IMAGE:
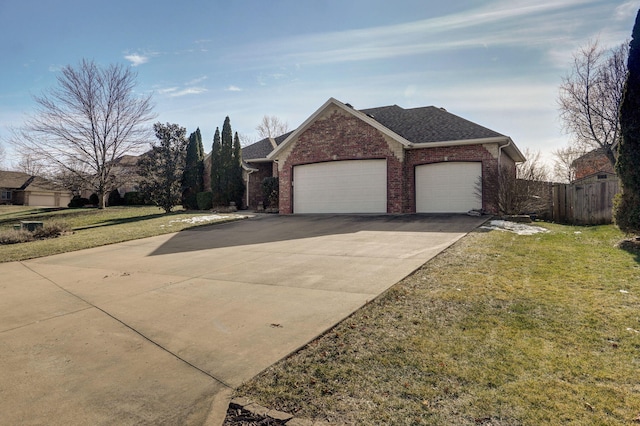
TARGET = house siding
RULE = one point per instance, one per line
(338, 136)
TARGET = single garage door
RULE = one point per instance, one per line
(351, 186)
(447, 187)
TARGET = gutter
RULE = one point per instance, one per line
(497, 139)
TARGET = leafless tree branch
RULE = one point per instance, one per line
(590, 95)
(271, 127)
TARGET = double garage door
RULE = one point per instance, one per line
(360, 186)
(352, 186)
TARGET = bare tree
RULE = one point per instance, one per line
(30, 164)
(533, 169)
(563, 168)
(271, 127)
(91, 118)
(590, 97)
(3, 154)
(246, 140)
(517, 190)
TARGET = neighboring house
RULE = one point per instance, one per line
(23, 189)
(125, 175)
(592, 163)
(125, 169)
(380, 160)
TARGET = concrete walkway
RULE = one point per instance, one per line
(161, 330)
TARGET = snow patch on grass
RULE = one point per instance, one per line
(518, 228)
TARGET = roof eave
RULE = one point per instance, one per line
(503, 141)
(259, 160)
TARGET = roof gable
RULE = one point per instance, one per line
(344, 107)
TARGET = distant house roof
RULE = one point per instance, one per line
(128, 160)
(428, 124)
(19, 181)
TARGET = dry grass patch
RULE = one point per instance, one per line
(93, 227)
(500, 329)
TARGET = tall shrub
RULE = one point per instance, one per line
(163, 168)
(192, 178)
(216, 166)
(627, 207)
(226, 167)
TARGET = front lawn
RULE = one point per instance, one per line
(94, 227)
(500, 329)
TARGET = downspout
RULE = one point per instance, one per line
(500, 148)
(247, 188)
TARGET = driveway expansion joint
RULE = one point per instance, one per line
(148, 339)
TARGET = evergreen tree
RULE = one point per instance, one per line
(238, 183)
(193, 170)
(226, 159)
(216, 167)
(226, 167)
(163, 167)
(200, 153)
(627, 208)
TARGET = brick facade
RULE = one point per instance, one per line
(337, 132)
(254, 186)
(337, 136)
(592, 163)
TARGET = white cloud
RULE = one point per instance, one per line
(197, 80)
(233, 88)
(627, 10)
(512, 23)
(166, 90)
(187, 91)
(137, 59)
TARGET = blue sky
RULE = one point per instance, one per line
(496, 62)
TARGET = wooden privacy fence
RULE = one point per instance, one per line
(584, 203)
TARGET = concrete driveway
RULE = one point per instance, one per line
(160, 330)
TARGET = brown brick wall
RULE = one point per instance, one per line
(255, 183)
(341, 136)
(592, 163)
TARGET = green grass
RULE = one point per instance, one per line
(500, 329)
(92, 227)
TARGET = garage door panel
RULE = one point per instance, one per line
(447, 187)
(352, 186)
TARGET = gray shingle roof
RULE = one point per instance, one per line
(262, 148)
(428, 124)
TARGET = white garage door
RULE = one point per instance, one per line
(447, 187)
(351, 186)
